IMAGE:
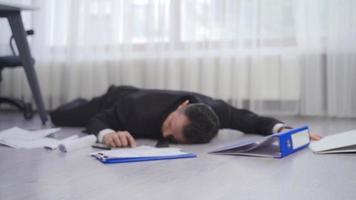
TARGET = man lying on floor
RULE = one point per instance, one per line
(125, 113)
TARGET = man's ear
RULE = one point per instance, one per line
(184, 104)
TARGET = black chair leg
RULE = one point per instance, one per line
(19, 33)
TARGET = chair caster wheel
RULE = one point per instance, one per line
(28, 111)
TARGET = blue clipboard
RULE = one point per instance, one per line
(141, 159)
(140, 154)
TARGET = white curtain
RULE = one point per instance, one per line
(327, 47)
(271, 56)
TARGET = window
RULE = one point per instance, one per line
(115, 22)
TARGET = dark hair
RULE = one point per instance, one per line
(204, 123)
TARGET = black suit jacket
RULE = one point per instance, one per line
(142, 112)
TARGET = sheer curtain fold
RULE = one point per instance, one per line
(341, 59)
(274, 57)
(327, 38)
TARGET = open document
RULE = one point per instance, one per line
(344, 142)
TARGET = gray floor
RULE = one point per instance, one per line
(322, 125)
(41, 174)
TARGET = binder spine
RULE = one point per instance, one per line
(286, 143)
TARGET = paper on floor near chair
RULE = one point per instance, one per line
(17, 133)
(139, 154)
(29, 144)
(20, 138)
(338, 143)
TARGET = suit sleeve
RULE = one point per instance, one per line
(113, 118)
(243, 120)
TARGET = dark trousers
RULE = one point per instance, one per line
(79, 111)
(76, 113)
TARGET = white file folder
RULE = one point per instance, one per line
(344, 142)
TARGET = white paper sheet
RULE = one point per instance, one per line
(17, 133)
(335, 143)
(29, 144)
(20, 138)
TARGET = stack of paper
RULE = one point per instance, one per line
(19, 138)
(339, 143)
(141, 153)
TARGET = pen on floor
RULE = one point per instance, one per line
(162, 142)
(101, 146)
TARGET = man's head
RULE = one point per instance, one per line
(192, 123)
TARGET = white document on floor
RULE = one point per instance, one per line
(20, 138)
(344, 142)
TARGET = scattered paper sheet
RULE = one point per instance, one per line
(29, 144)
(20, 138)
(22, 134)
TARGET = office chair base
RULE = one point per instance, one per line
(25, 108)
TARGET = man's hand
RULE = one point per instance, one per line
(119, 139)
(313, 136)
